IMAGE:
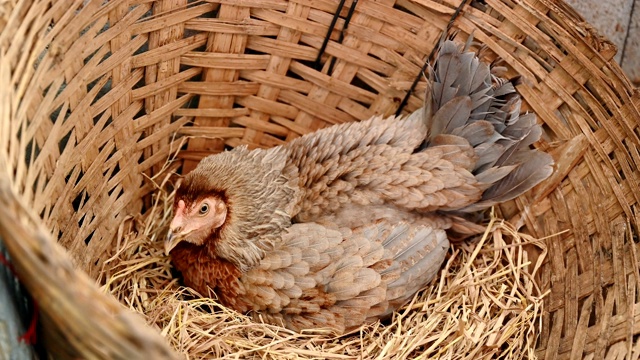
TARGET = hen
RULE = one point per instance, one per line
(344, 225)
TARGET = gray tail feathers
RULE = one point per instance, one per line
(468, 100)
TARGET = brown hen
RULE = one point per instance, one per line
(344, 225)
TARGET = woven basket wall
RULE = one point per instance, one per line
(95, 95)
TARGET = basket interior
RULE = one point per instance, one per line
(100, 94)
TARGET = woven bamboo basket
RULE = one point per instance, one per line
(95, 96)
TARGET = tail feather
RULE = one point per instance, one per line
(513, 153)
(476, 133)
(494, 174)
(520, 128)
(522, 178)
(466, 99)
(488, 155)
(454, 114)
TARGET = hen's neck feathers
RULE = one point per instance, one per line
(258, 196)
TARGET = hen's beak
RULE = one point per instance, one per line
(171, 241)
(175, 233)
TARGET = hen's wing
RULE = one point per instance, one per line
(329, 277)
(374, 162)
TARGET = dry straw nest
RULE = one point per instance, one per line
(102, 103)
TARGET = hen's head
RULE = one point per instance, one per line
(196, 219)
(235, 204)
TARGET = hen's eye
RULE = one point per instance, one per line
(204, 209)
